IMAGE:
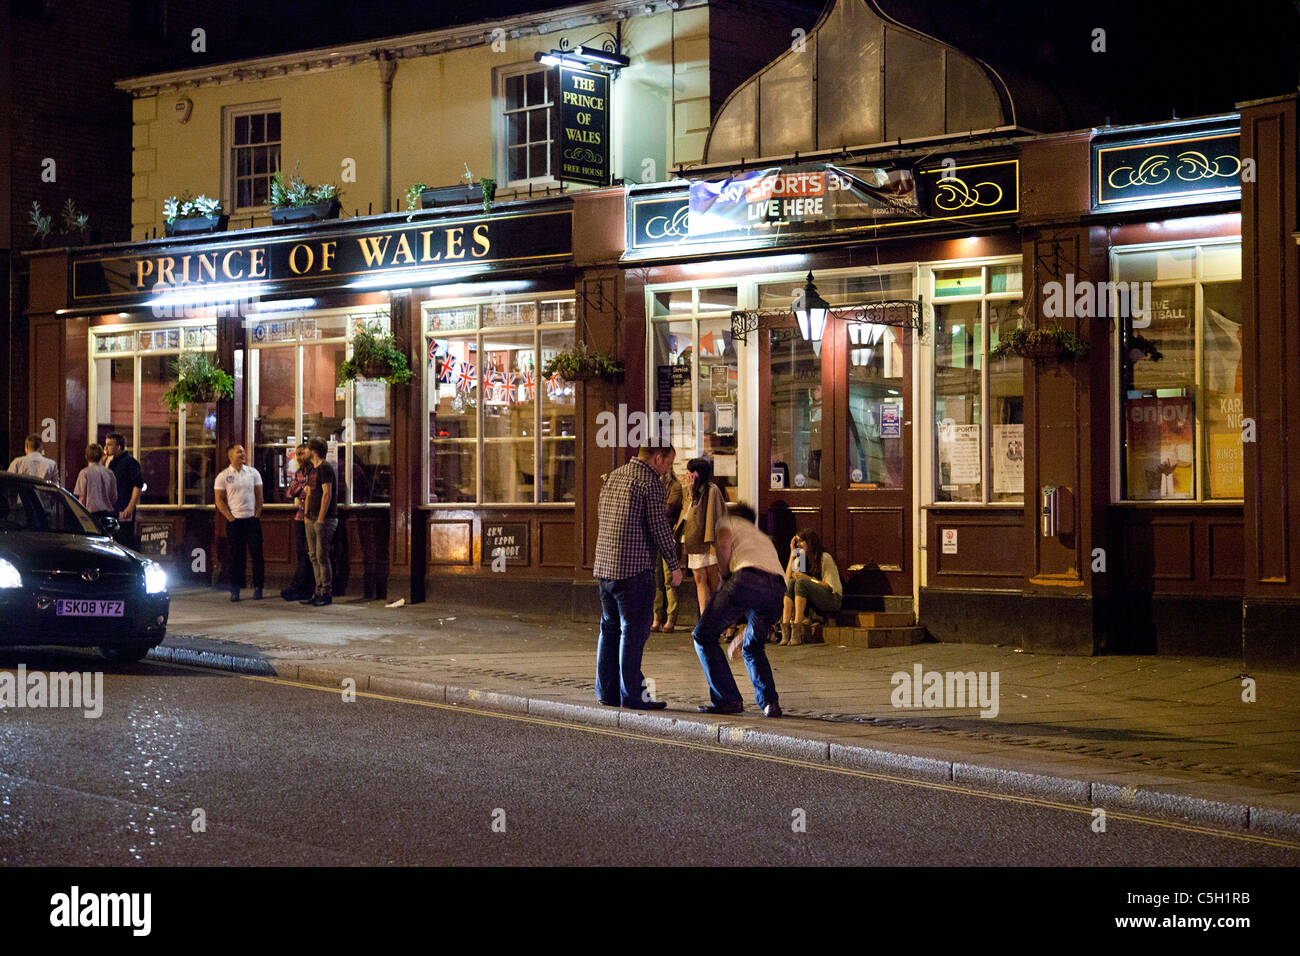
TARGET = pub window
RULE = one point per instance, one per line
(525, 131)
(979, 457)
(253, 138)
(1179, 364)
(695, 377)
(498, 431)
(294, 396)
(131, 369)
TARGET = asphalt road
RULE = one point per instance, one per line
(291, 775)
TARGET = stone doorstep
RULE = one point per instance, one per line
(875, 636)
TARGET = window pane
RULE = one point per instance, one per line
(244, 194)
(958, 330)
(875, 423)
(508, 471)
(157, 452)
(452, 401)
(241, 130)
(1006, 408)
(510, 313)
(114, 397)
(324, 404)
(200, 454)
(558, 427)
(514, 92)
(675, 304)
(273, 127)
(516, 128)
(517, 162)
(257, 128)
(954, 282)
(445, 320)
(243, 162)
(275, 434)
(536, 82)
(1224, 452)
(718, 300)
(718, 385)
(509, 409)
(259, 160)
(674, 359)
(371, 473)
(796, 411)
(557, 311)
(538, 163)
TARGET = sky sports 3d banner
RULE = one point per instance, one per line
(796, 195)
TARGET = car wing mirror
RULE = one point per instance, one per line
(109, 525)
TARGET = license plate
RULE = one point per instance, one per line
(68, 608)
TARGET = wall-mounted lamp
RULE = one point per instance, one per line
(810, 311)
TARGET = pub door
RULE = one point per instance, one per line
(835, 422)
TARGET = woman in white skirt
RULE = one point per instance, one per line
(708, 508)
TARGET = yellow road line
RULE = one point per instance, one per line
(794, 762)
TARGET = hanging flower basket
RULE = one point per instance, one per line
(1041, 345)
(582, 364)
(376, 357)
(199, 380)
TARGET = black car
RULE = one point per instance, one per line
(65, 581)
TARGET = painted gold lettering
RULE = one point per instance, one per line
(456, 243)
(166, 270)
(429, 255)
(372, 249)
(225, 265)
(208, 265)
(257, 263)
(481, 241)
(185, 268)
(327, 250)
(403, 249)
(293, 258)
(143, 267)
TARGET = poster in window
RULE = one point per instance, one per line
(1167, 323)
(891, 420)
(371, 399)
(1161, 448)
(1009, 459)
(959, 455)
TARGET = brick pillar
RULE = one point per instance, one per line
(1270, 299)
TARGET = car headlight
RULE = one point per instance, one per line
(9, 576)
(155, 578)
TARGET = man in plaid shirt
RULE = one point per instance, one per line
(634, 533)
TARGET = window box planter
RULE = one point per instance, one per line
(316, 212)
(195, 225)
(460, 195)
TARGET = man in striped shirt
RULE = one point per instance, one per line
(634, 533)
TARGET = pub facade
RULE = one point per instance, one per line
(827, 292)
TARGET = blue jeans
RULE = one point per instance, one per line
(747, 593)
(626, 610)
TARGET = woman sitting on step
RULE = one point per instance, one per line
(811, 578)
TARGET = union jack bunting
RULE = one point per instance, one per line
(530, 386)
(448, 375)
(465, 381)
(554, 386)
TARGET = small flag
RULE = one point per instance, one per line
(530, 386)
(466, 379)
(448, 375)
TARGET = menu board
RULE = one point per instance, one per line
(510, 539)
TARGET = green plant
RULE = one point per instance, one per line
(296, 191)
(187, 206)
(582, 363)
(375, 356)
(43, 225)
(73, 221)
(412, 198)
(1039, 344)
(489, 188)
(198, 380)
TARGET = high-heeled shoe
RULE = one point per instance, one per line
(671, 624)
(656, 626)
(785, 635)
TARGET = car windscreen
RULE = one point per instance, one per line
(25, 507)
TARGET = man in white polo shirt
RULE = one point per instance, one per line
(34, 463)
(754, 590)
(239, 499)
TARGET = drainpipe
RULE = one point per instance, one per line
(387, 67)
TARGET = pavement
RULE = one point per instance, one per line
(1166, 737)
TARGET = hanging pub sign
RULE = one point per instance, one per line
(791, 203)
(581, 150)
(322, 256)
(1182, 168)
